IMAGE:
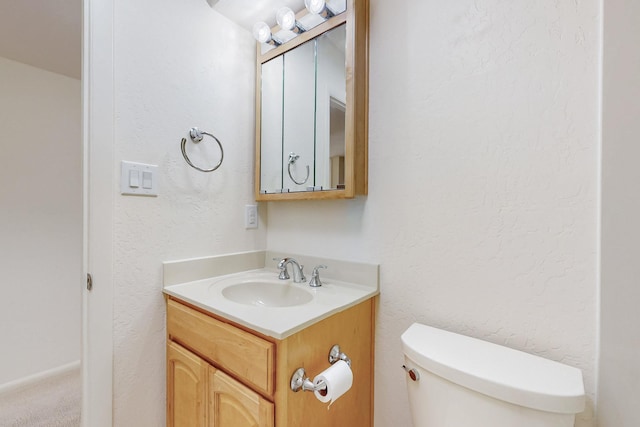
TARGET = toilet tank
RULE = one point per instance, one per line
(467, 382)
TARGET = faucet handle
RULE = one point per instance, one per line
(315, 281)
(284, 274)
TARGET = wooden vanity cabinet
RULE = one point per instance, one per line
(233, 405)
(220, 374)
(200, 395)
(186, 387)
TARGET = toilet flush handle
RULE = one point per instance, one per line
(413, 373)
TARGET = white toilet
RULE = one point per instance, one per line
(466, 382)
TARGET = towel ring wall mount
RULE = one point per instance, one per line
(196, 136)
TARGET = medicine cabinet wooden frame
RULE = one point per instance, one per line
(356, 18)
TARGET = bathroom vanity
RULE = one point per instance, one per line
(231, 364)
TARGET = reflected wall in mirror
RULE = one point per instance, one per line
(331, 100)
(272, 84)
(311, 111)
(298, 117)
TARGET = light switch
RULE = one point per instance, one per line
(138, 179)
(147, 179)
(134, 178)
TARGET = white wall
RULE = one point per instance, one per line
(40, 220)
(482, 205)
(177, 65)
(620, 294)
(483, 178)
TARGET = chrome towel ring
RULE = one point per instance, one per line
(293, 157)
(196, 136)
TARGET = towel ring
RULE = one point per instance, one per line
(196, 136)
(293, 157)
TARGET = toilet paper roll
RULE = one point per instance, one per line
(338, 379)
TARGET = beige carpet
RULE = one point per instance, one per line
(54, 402)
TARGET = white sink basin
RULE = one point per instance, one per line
(267, 294)
(258, 300)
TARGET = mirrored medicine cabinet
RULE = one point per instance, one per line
(312, 109)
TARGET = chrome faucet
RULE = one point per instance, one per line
(298, 275)
(315, 281)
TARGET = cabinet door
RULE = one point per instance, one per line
(186, 388)
(232, 404)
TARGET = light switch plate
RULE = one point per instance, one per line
(138, 179)
(251, 216)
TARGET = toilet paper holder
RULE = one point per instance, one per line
(300, 380)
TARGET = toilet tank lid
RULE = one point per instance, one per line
(497, 371)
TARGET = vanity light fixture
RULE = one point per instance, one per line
(289, 27)
(262, 33)
(319, 11)
(318, 7)
(327, 8)
(285, 18)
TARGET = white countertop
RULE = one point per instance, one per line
(277, 322)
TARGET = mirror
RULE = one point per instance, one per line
(271, 170)
(311, 112)
(298, 123)
(331, 101)
(303, 108)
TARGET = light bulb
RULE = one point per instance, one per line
(261, 32)
(286, 18)
(314, 6)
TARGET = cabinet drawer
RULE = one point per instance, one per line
(245, 356)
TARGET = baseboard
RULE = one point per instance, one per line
(22, 383)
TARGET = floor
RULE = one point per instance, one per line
(54, 402)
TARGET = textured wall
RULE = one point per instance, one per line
(620, 294)
(483, 177)
(177, 65)
(482, 206)
(40, 220)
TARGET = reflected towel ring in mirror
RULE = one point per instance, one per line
(292, 160)
(196, 136)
